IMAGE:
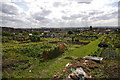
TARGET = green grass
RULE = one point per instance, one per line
(49, 68)
(118, 51)
(87, 49)
(38, 69)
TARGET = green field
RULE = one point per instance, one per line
(28, 60)
(47, 68)
(87, 49)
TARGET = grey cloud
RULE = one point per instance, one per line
(7, 21)
(45, 12)
(40, 16)
(105, 16)
(57, 4)
(115, 13)
(66, 18)
(16, 20)
(11, 19)
(85, 17)
(46, 21)
(74, 16)
(9, 9)
(65, 11)
(84, 2)
(95, 12)
(3, 22)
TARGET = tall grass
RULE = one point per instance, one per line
(87, 49)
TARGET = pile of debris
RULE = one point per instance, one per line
(79, 68)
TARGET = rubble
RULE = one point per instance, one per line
(85, 62)
(79, 69)
(68, 64)
(78, 74)
(29, 70)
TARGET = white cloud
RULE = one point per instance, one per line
(59, 13)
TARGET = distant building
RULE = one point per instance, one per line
(19, 38)
(108, 30)
(20, 33)
(47, 31)
(30, 34)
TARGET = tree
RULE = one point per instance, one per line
(34, 38)
(73, 37)
(90, 27)
(70, 32)
(35, 33)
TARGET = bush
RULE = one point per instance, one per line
(7, 34)
(6, 39)
(70, 32)
(77, 40)
(54, 52)
(117, 45)
(34, 38)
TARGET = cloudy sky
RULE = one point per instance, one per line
(58, 13)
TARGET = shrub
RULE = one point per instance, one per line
(54, 52)
(77, 40)
(6, 39)
(34, 38)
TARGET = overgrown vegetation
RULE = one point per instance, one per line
(42, 54)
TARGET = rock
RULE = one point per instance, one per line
(68, 64)
(29, 70)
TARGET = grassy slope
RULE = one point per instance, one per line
(38, 69)
(87, 49)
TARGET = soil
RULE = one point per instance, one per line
(79, 43)
(8, 63)
(25, 67)
(55, 42)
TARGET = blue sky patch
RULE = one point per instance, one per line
(22, 5)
